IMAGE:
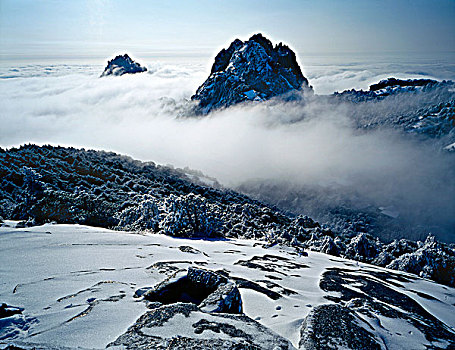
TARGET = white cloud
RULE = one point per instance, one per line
(303, 144)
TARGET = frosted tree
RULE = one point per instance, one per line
(142, 216)
(189, 216)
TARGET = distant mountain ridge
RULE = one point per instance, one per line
(392, 86)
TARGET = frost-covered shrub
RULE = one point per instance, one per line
(189, 216)
(32, 191)
(142, 216)
(81, 208)
(67, 185)
(432, 260)
(34, 187)
(362, 248)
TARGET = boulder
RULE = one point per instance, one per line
(210, 290)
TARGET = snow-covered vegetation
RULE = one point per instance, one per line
(67, 185)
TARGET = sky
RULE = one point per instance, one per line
(97, 28)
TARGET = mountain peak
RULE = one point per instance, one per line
(122, 64)
(251, 70)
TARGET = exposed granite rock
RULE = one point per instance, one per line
(210, 290)
(226, 299)
(335, 327)
(393, 82)
(197, 330)
(393, 86)
(377, 301)
(253, 70)
(122, 65)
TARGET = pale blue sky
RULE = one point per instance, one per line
(97, 28)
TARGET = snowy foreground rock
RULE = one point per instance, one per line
(83, 287)
(253, 70)
(122, 65)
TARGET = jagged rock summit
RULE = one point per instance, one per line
(122, 65)
(253, 70)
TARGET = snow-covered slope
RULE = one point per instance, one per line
(76, 285)
(67, 185)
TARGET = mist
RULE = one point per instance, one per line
(299, 145)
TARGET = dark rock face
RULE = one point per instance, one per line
(7, 310)
(376, 298)
(335, 326)
(253, 70)
(195, 331)
(211, 291)
(122, 65)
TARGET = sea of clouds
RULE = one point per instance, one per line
(148, 116)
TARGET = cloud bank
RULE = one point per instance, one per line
(300, 144)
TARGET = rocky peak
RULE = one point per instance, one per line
(122, 65)
(251, 70)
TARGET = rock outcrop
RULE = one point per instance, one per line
(372, 303)
(334, 327)
(184, 326)
(7, 310)
(213, 292)
(122, 65)
(200, 303)
(253, 70)
(393, 83)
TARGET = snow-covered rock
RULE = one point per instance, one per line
(122, 65)
(253, 70)
(331, 326)
(8, 310)
(78, 287)
(184, 326)
(392, 315)
(417, 106)
(211, 291)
